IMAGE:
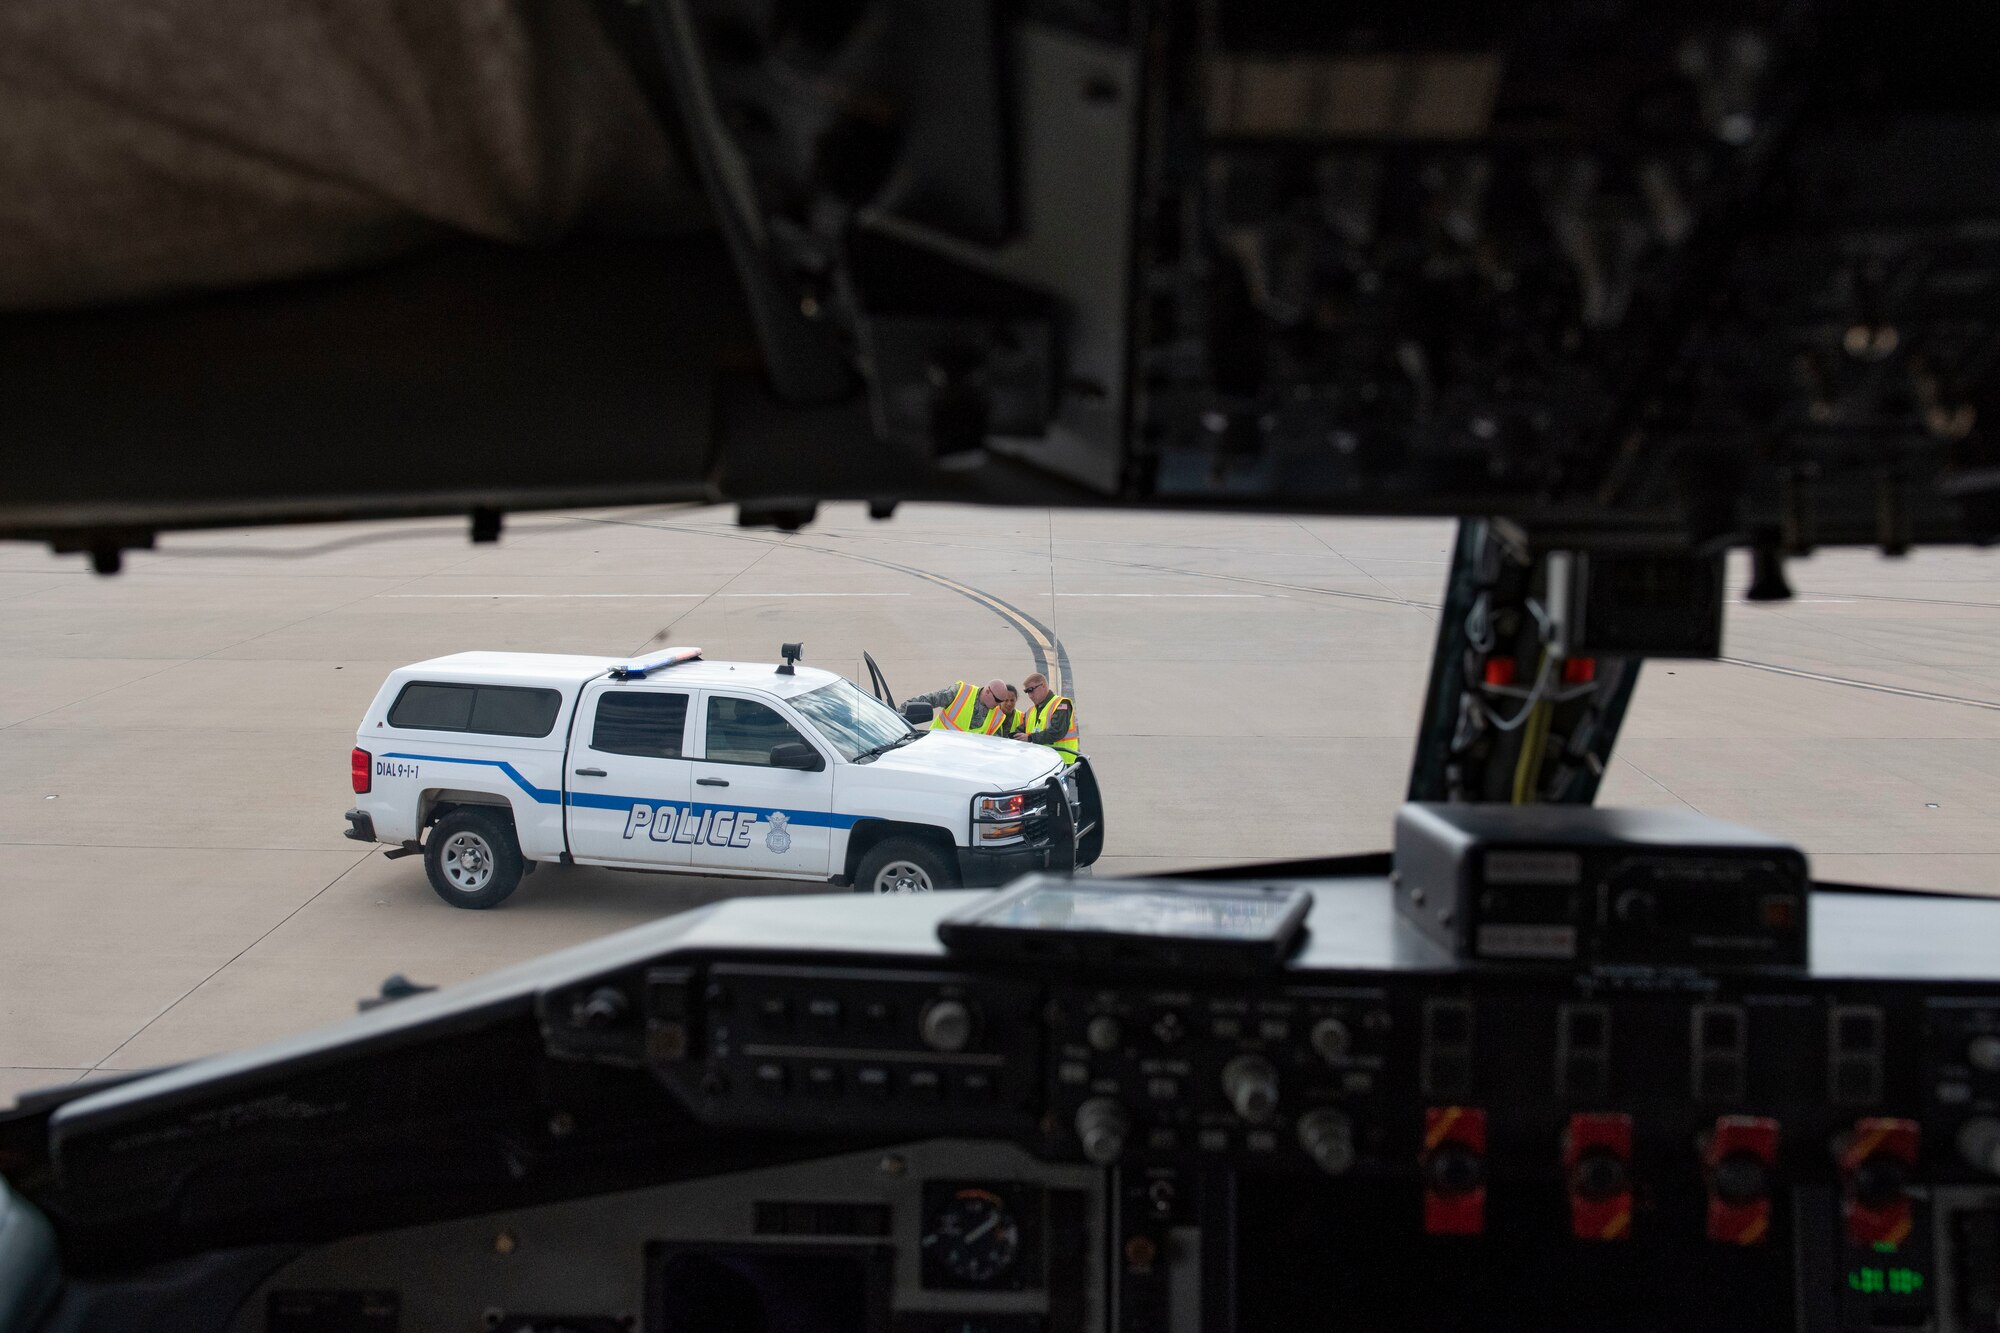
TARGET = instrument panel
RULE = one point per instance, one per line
(808, 1106)
(1742, 1121)
(946, 1236)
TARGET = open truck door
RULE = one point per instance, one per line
(878, 684)
(1089, 814)
(916, 715)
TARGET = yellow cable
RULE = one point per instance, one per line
(1533, 736)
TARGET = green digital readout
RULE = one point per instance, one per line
(1872, 1281)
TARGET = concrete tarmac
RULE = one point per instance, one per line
(173, 741)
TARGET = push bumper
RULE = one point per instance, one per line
(1055, 843)
(363, 829)
(980, 868)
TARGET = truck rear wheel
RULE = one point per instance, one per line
(904, 865)
(473, 858)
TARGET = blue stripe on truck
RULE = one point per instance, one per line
(541, 794)
(595, 801)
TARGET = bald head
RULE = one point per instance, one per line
(993, 693)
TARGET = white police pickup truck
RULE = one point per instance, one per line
(492, 762)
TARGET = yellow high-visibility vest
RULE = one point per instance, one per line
(957, 715)
(1038, 720)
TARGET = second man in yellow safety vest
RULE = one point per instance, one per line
(1050, 719)
(964, 707)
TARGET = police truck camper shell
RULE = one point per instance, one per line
(492, 763)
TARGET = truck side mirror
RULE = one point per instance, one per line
(797, 754)
(918, 713)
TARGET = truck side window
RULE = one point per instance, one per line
(492, 710)
(649, 724)
(743, 731)
(427, 707)
(503, 711)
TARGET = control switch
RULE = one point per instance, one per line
(1251, 1084)
(1979, 1144)
(1877, 1162)
(1739, 1161)
(1327, 1136)
(1454, 1170)
(1332, 1040)
(945, 1025)
(1597, 1161)
(1102, 1126)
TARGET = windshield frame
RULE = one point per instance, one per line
(832, 723)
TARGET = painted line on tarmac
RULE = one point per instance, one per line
(1051, 658)
(1252, 596)
(1924, 601)
(1864, 684)
(1390, 600)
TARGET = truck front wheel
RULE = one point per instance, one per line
(904, 865)
(473, 858)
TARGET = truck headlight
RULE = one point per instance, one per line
(997, 820)
(1011, 806)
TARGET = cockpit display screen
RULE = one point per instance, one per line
(1141, 910)
(1224, 925)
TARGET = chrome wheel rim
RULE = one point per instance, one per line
(903, 877)
(467, 862)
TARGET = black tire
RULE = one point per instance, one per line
(473, 858)
(910, 861)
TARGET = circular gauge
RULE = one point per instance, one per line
(973, 1237)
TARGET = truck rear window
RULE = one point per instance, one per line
(492, 710)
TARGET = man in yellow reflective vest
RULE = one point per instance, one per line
(964, 707)
(1050, 719)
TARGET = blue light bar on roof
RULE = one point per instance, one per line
(641, 667)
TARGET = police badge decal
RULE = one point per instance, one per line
(777, 839)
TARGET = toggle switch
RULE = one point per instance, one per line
(1454, 1170)
(1738, 1161)
(1877, 1161)
(1597, 1161)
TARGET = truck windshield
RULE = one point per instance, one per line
(852, 721)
